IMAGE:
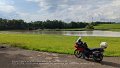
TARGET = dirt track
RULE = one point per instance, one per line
(11, 57)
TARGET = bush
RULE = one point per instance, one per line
(89, 26)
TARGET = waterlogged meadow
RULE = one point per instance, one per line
(58, 43)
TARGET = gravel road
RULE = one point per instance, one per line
(13, 57)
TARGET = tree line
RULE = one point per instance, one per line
(14, 24)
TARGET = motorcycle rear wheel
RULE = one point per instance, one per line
(98, 58)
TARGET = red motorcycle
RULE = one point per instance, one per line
(95, 53)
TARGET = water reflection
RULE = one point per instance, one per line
(93, 33)
(71, 33)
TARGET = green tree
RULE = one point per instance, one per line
(89, 26)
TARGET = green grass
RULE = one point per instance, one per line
(58, 43)
(111, 27)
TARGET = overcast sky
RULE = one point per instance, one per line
(66, 10)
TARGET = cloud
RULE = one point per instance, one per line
(6, 7)
(108, 11)
(79, 10)
(66, 10)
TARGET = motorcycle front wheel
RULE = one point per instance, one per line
(78, 53)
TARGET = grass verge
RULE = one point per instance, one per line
(58, 43)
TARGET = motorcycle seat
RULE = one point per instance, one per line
(96, 49)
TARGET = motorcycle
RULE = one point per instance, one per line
(95, 53)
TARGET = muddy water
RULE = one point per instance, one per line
(71, 33)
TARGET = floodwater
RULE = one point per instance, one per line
(71, 33)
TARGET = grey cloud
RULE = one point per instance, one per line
(76, 10)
